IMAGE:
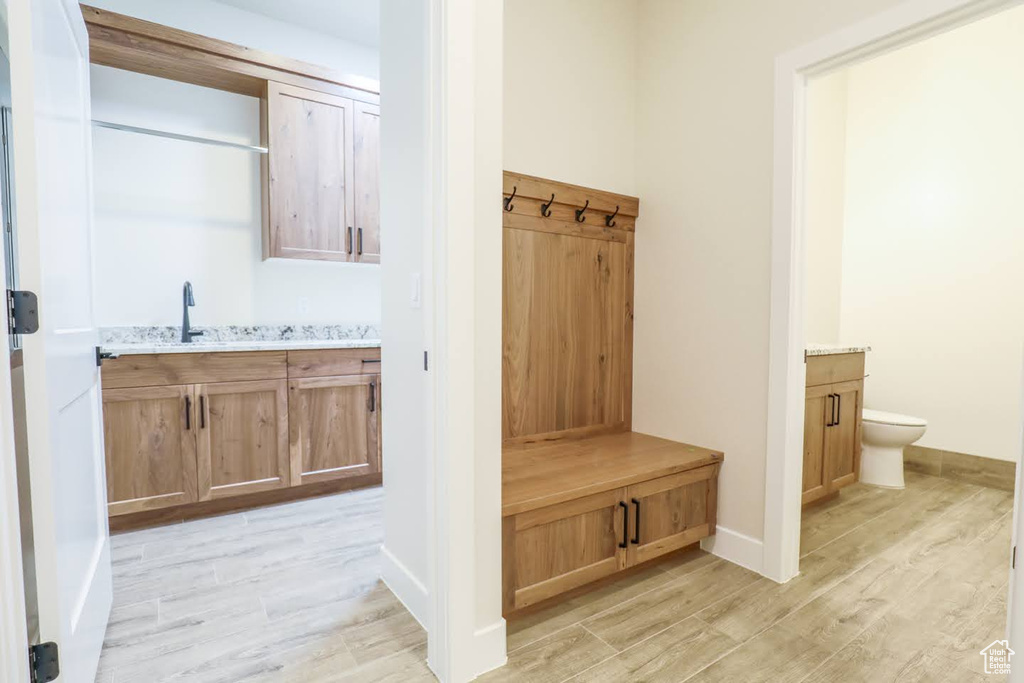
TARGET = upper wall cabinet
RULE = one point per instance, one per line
(309, 180)
(320, 177)
(322, 197)
(367, 182)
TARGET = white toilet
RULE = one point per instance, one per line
(883, 437)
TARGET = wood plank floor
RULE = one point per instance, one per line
(894, 585)
(279, 594)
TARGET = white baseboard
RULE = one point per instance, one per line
(407, 588)
(737, 548)
(489, 645)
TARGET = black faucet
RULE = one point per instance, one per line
(187, 300)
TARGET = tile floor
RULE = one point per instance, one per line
(894, 585)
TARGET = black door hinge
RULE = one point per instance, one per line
(102, 355)
(43, 662)
(22, 312)
(1013, 558)
(425, 364)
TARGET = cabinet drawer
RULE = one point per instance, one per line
(333, 362)
(843, 367)
(192, 368)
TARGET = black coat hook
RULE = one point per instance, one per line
(579, 213)
(610, 220)
(545, 209)
(508, 200)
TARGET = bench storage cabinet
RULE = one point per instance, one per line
(578, 511)
(583, 496)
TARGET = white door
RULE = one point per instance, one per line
(52, 176)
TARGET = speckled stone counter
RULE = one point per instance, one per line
(834, 349)
(166, 339)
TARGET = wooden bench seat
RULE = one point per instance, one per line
(575, 511)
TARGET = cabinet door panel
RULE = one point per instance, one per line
(671, 512)
(367, 182)
(817, 409)
(333, 423)
(558, 548)
(309, 168)
(150, 444)
(843, 452)
(243, 437)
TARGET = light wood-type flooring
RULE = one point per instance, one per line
(277, 594)
(895, 585)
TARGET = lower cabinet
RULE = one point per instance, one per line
(242, 437)
(334, 427)
(182, 443)
(150, 443)
(554, 549)
(832, 438)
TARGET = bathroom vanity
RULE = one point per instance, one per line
(832, 419)
(199, 428)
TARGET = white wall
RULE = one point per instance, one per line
(933, 241)
(570, 93)
(169, 211)
(825, 204)
(705, 78)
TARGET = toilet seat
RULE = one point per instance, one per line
(895, 419)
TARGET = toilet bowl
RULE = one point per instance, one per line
(883, 438)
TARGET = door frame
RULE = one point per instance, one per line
(905, 24)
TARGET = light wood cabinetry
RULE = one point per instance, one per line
(220, 436)
(560, 547)
(672, 512)
(334, 427)
(149, 439)
(242, 437)
(321, 176)
(577, 511)
(309, 181)
(832, 424)
(366, 131)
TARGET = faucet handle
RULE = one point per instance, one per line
(195, 333)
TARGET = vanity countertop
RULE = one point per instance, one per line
(149, 340)
(834, 349)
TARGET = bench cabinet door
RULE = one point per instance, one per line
(557, 548)
(671, 512)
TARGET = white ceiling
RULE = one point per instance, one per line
(357, 21)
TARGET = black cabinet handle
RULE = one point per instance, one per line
(360, 233)
(350, 239)
(202, 411)
(839, 408)
(831, 410)
(625, 525)
(370, 360)
(188, 412)
(373, 396)
(636, 536)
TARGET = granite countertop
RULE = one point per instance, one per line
(143, 340)
(834, 349)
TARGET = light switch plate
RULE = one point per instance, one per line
(415, 290)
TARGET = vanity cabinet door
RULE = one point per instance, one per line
(367, 182)
(242, 436)
(818, 408)
(334, 426)
(844, 445)
(560, 547)
(150, 443)
(671, 512)
(308, 175)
